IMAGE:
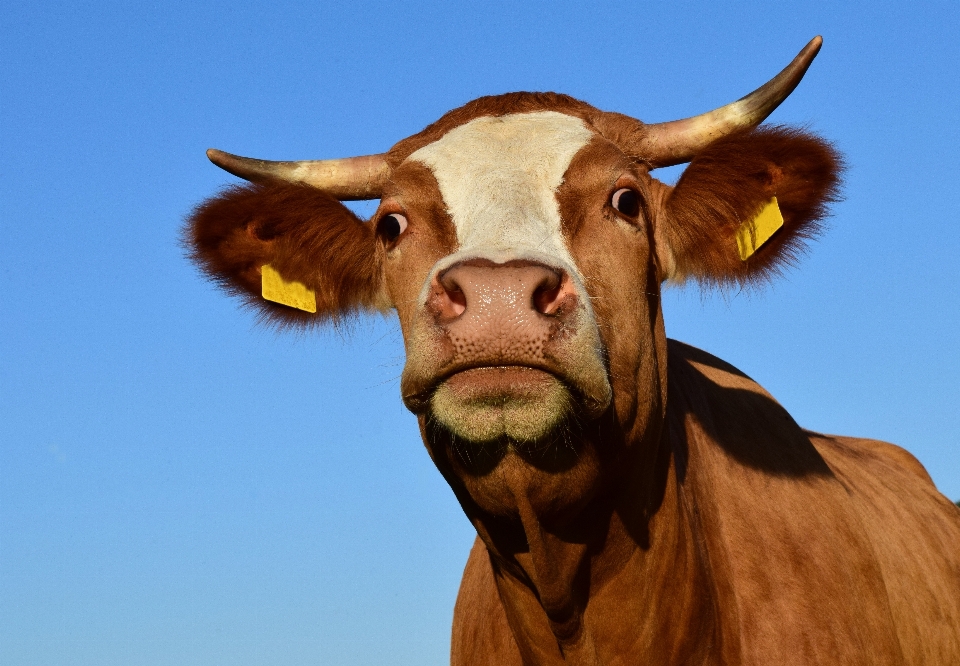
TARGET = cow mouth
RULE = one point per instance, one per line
(493, 382)
(480, 380)
(517, 403)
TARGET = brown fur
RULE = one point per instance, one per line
(306, 235)
(727, 185)
(618, 128)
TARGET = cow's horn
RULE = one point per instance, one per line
(348, 179)
(678, 141)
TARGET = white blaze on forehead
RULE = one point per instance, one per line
(499, 177)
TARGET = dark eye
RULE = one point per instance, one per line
(391, 226)
(626, 201)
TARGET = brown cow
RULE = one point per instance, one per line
(636, 500)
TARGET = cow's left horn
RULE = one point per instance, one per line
(348, 179)
(679, 141)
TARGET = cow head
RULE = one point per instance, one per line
(523, 243)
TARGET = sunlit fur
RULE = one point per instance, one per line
(498, 177)
(727, 185)
(306, 235)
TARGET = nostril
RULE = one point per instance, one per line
(546, 297)
(458, 301)
(449, 300)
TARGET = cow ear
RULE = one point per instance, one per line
(724, 207)
(287, 234)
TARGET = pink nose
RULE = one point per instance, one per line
(521, 295)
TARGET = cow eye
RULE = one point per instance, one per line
(626, 201)
(391, 226)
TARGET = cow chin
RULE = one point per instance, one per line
(516, 404)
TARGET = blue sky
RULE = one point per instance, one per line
(178, 486)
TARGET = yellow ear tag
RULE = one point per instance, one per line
(753, 234)
(294, 294)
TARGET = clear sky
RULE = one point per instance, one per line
(178, 486)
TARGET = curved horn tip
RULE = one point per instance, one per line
(678, 141)
(810, 51)
(241, 167)
(218, 157)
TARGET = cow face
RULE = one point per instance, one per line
(502, 342)
(523, 242)
(511, 245)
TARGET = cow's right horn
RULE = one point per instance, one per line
(348, 179)
(679, 141)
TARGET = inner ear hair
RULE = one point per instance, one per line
(306, 235)
(730, 182)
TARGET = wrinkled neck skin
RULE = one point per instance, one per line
(596, 515)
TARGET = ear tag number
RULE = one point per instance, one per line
(293, 294)
(753, 234)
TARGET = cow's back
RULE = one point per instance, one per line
(915, 533)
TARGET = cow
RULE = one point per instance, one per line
(636, 500)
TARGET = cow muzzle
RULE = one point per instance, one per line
(505, 351)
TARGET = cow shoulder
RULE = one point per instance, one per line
(792, 565)
(915, 533)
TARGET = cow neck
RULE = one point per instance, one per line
(634, 537)
(630, 549)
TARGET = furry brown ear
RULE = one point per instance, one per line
(303, 233)
(726, 186)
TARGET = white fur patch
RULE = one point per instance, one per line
(499, 177)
